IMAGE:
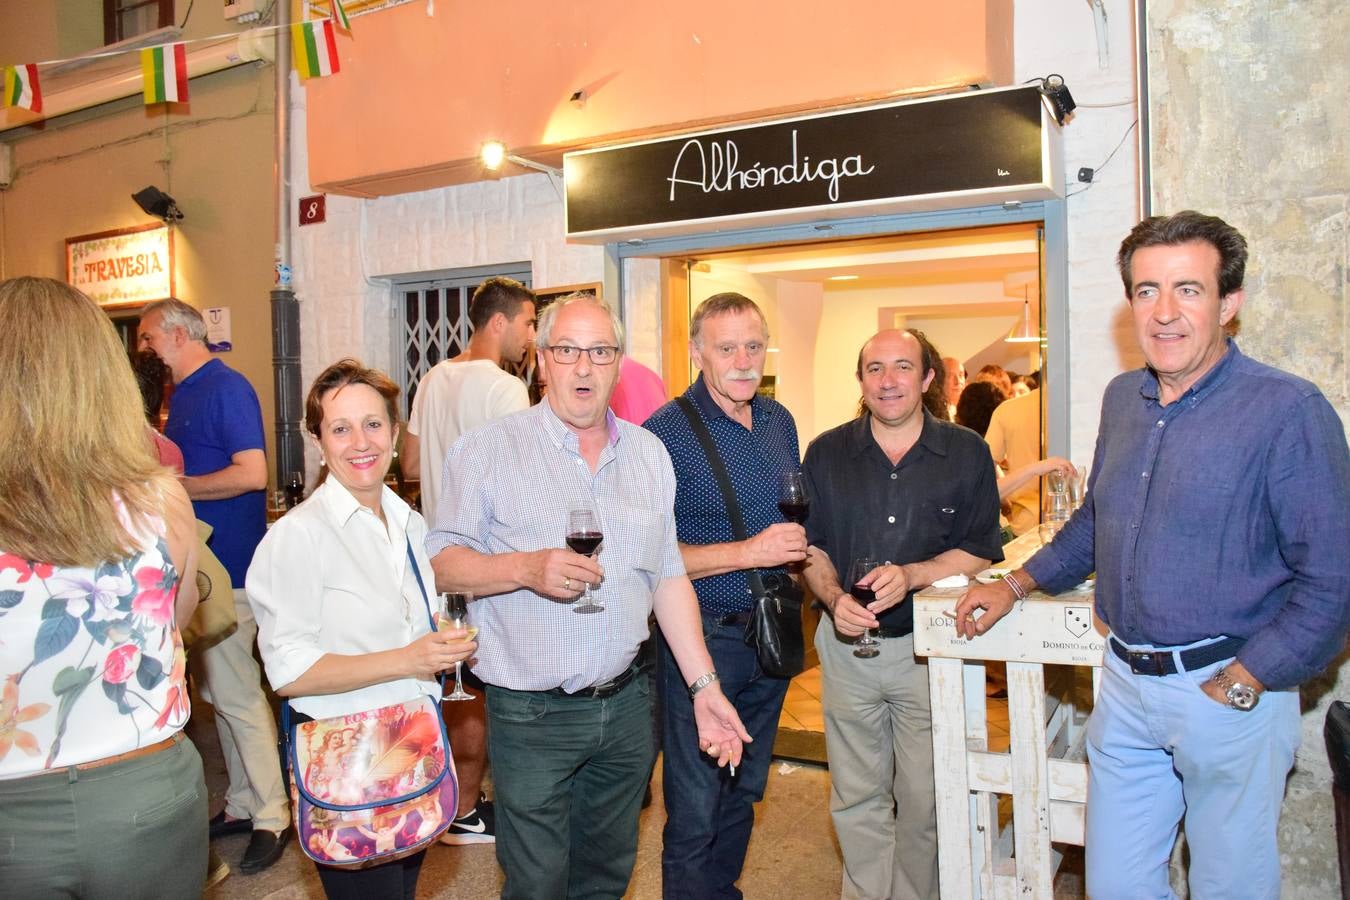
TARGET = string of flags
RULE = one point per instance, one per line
(164, 67)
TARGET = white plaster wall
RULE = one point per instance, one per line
(342, 266)
(1053, 36)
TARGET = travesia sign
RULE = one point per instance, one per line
(965, 150)
(127, 267)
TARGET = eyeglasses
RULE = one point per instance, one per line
(600, 356)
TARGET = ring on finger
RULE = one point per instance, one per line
(567, 583)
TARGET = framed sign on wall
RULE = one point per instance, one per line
(123, 268)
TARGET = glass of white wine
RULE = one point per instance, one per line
(455, 615)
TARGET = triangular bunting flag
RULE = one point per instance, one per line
(165, 72)
(314, 48)
(340, 14)
(21, 87)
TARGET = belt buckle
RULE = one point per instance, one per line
(599, 689)
(1148, 662)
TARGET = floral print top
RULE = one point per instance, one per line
(91, 662)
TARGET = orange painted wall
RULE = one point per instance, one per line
(417, 95)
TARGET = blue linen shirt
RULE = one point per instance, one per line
(214, 414)
(1224, 513)
(755, 459)
(507, 487)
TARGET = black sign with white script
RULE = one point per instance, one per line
(983, 141)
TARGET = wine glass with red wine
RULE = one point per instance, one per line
(792, 500)
(867, 646)
(584, 536)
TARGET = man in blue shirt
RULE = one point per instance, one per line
(709, 811)
(1218, 522)
(215, 419)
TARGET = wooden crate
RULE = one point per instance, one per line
(1045, 768)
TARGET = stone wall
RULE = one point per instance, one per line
(1251, 116)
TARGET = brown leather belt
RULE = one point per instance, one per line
(129, 755)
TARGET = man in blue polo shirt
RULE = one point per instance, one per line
(214, 417)
(1217, 519)
(710, 811)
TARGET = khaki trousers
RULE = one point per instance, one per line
(232, 683)
(879, 735)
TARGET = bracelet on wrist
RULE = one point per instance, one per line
(1016, 586)
(701, 682)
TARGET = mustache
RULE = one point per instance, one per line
(743, 375)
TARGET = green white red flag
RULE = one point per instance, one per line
(314, 48)
(165, 72)
(21, 87)
(340, 13)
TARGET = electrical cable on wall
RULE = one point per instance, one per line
(1093, 173)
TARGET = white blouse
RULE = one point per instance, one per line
(329, 578)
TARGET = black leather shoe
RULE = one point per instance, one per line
(264, 848)
(219, 826)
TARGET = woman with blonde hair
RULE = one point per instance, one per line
(101, 791)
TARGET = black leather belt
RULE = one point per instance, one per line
(736, 618)
(1163, 662)
(886, 631)
(603, 689)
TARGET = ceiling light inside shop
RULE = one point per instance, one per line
(493, 154)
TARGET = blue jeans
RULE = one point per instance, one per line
(709, 813)
(568, 776)
(1159, 749)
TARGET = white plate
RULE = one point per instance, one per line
(989, 576)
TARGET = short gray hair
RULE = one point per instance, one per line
(177, 314)
(719, 305)
(543, 331)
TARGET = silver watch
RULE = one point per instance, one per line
(1240, 696)
(702, 681)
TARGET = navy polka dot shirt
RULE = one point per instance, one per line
(755, 460)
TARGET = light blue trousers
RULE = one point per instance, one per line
(1159, 749)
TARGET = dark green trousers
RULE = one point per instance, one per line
(569, 774)
(135, 829)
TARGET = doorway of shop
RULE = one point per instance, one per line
(969, 289)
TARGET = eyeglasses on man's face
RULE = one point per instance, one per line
(566, 354)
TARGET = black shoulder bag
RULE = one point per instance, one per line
(775, 626)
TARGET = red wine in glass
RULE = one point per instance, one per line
(867, 646)
(792, 500)
(584, 536)
(584, 542)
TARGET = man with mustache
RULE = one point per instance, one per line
(710, 811)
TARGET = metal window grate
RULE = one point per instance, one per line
(431, 316)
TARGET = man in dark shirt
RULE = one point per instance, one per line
(1218, 522)
(709, 812)
(918, 495)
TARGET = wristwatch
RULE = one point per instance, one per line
(1240, 696)
(701, 682)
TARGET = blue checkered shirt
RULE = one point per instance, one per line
(507, 487)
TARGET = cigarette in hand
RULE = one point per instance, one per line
(732, 767)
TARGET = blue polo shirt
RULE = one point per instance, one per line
(755, 459)
(214, 414)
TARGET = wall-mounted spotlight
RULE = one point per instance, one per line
(154, 202)
(1056, 93)
(493, 153)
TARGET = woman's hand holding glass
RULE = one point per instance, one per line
(439, 651)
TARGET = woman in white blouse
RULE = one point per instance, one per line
(343, 623)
